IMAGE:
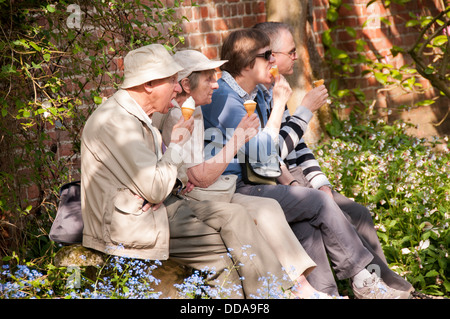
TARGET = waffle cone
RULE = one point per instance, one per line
(250, 107)
(187, 113)
(318, 83)
(274, 71)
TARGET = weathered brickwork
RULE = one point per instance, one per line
(211, 20)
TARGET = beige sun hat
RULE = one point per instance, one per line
(148, 63)
(194, 61)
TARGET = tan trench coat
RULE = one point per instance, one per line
(121, 157)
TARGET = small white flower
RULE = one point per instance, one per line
(423, 244)
(406, 251)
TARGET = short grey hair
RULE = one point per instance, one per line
(272, 29)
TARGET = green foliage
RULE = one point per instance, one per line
(404, 183)
(430, 53)
(59, 60)
(118, 278)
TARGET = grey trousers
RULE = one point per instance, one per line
(361, 219)
(222, 237)
(322, 229)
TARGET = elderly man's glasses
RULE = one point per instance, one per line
(266, 55)
(290, 54)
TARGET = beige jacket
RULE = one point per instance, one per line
(121, 157)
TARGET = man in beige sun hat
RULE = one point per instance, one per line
(130, 188)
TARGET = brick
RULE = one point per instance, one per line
(204, 12)
(65, 150)
(220, 25)
(190, 27)
(211, 52)
(196, 40)
(248, 8)
(196, 13)
(261, 18)
(32, 192)
(206, 26)
(213, 39)
(249, 21)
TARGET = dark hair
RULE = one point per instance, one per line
(272, 29)
(240, 48)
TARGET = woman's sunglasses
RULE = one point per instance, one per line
(266, 55)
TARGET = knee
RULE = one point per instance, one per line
(265, 206)
(324, 198)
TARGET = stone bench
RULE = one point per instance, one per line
(169, 272)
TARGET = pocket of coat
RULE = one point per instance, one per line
(130, 226)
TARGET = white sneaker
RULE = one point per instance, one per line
(375, 288)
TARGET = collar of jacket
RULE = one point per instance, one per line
(125, 100)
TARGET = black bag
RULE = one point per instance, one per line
(68, 225)
(255, 173)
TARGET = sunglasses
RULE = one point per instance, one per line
(266, 55)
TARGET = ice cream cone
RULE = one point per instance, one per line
(187, 113)
(250, 106)
(318, 83)
(274, 71)
(188, 108)
(324, 111)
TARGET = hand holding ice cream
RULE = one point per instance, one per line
(317, 97)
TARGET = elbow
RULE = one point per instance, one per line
(199, 180)
(202, 182)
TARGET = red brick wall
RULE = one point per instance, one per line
(379, 36)
(211, 21)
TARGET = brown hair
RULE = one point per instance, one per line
(240, 48)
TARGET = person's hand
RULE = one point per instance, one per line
(189, 187)
(327, 190)
(315, 98)
(281, 92)
(247, 128)
(182, 131)
(148, 205)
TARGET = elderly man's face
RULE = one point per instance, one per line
(164, 90)
(285, 54)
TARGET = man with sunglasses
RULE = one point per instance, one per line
(304, 170)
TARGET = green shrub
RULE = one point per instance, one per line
(404, 182)
(58, 61)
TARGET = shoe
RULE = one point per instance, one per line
(375, 288)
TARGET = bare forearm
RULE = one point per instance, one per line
(275, 119)
(206, 173)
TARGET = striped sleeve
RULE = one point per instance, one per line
(293, 149)
(292, 130)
